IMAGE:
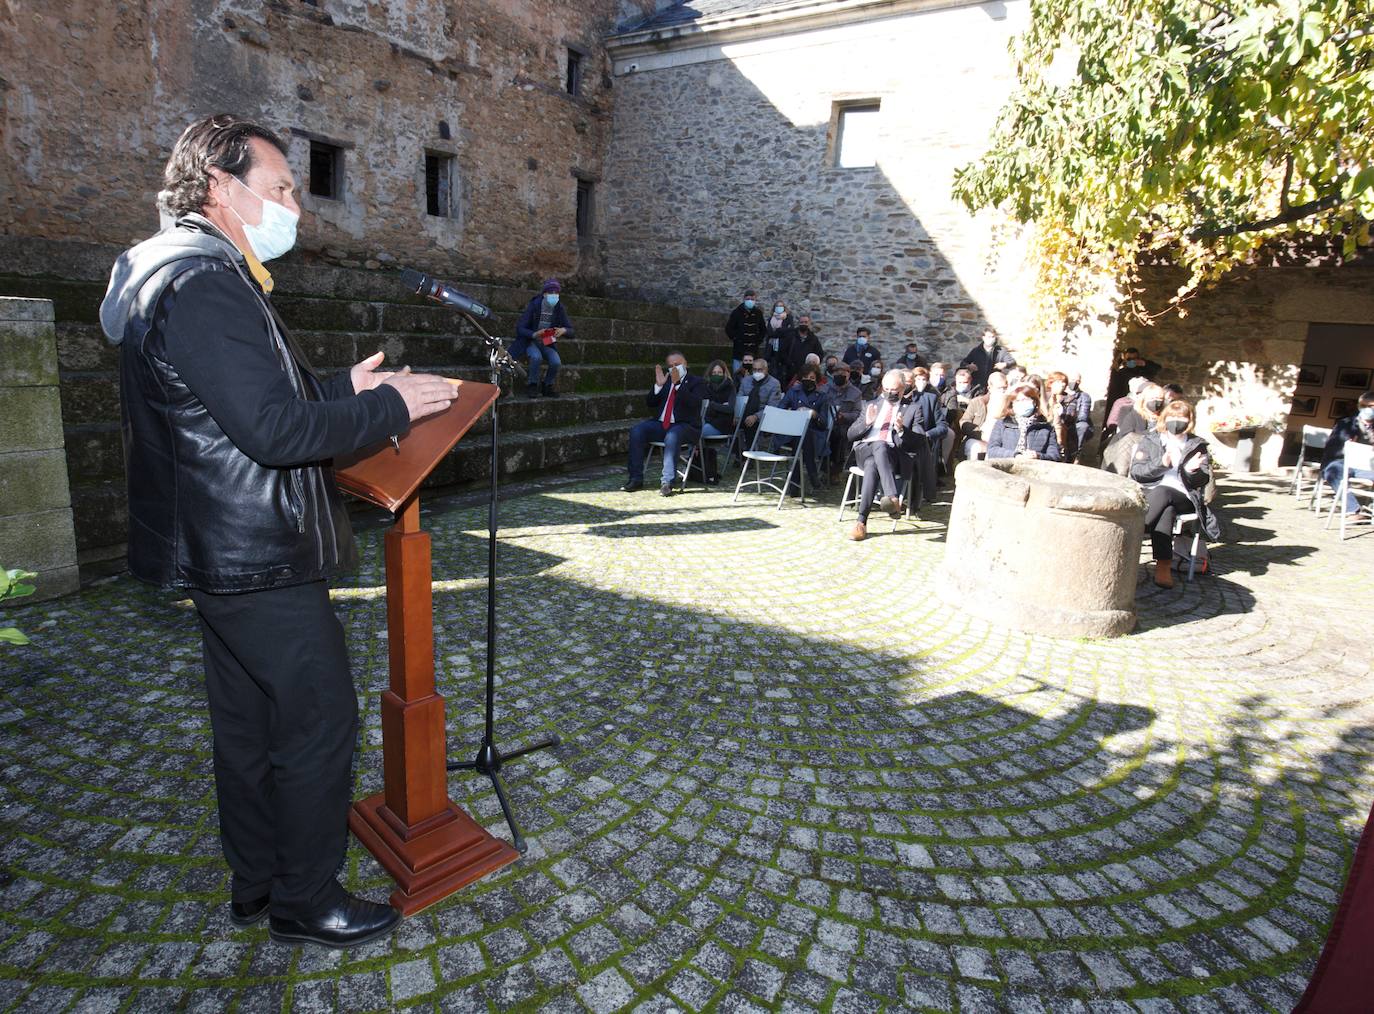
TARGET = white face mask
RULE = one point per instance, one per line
(874, 372)
(1024, 407)
(920, 385)
(679, 371)
(758, 376)
(275, 234)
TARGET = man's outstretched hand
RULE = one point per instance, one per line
(424, 393)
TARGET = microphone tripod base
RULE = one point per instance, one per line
(488, 762)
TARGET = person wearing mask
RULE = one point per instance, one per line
(862, 351)
(1130, 365)
(1023, 431)
(877, 438)
(911, 357)
(987, 356)
(1360, 428)
(848, 404)
(1082, 410)
(807, 395)
(979, 415)
(930, 422)
(760, 390)
(720, 416)
(1115, 408)
(802, 346)
(675, 401)
(1174, 466)
(745, 329)
(948, 397)
(832, 362)
(543, 322)
(1133, 421)
(1172, 393)
(778, 332)
(1062, 407)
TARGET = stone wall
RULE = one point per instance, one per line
(721, 175)
(35, 502)
(1242, 340)
(92, 97)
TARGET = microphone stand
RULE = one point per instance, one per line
(490, 758)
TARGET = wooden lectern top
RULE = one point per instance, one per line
(387, 475)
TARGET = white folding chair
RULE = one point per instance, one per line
(723, 459)
(776, 422)
(1313, 439)
(1356, 456)
(855, 474)
(1179, 521)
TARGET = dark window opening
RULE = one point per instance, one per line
(574, 82)
(439, 185)
(326, 170)
(584, 209)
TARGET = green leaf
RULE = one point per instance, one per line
(11, 635)
(18, 591)
(1361, 183)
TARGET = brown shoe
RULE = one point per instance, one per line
(1164, 573)
(859, 532)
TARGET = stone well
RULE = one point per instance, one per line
(1045, 547)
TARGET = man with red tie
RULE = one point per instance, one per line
(675, 402)
(878, 439)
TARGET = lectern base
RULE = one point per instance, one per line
(435, 859)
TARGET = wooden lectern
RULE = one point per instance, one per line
(428, 845)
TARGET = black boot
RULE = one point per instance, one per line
(547, 391)
(532, 391)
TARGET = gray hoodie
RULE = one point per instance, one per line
(139, 263)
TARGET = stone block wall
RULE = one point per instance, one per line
(721, 176)
(1242, 340)
(35, 503)
(93, 96)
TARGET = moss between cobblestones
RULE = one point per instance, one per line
(751, 796)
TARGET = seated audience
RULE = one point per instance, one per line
(675, 400)
(930, 420)
(1114, 408)
(720, 415)
(1174, 466)
(1063, 408)
(760, 391)
(745, 367)
(832, 362)
(877, 436)
(808, 396)
(944, 389)
(1023, 431)
(847, 403)
(543, 322)
(912, 356)
(1360, 428)
(802, 346)
(1143, 414)
(979, 415)
(1082, 410)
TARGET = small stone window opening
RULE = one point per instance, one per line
(573, 84)
(326, 170)
(856, 143)
(439, 184)
(584, 209)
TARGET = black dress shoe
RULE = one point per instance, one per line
(351, 922)
(248, 913)
(666, 489)
(633, 486)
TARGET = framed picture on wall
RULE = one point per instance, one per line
(1341, 407)
(1305, 405)
(1356, 377)
(1311, 375)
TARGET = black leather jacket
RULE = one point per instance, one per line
(228, 431)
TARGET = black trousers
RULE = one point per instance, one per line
(882, 465)
(1162, 505)
(285, 718)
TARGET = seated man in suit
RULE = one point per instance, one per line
(676, 403)
(878, 436)
(760, 390)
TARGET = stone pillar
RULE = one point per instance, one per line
(35, 502)
(1045, 547)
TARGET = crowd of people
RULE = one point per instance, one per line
(904, 423)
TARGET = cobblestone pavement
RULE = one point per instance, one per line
(792, 779)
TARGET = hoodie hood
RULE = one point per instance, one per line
(192, 236)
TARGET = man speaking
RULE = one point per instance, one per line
(228, 434)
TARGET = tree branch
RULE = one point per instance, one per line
(1294, 213)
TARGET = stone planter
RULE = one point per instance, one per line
(1045, 547)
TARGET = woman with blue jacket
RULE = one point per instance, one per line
(1023, 432)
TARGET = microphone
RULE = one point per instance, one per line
(442, 292)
